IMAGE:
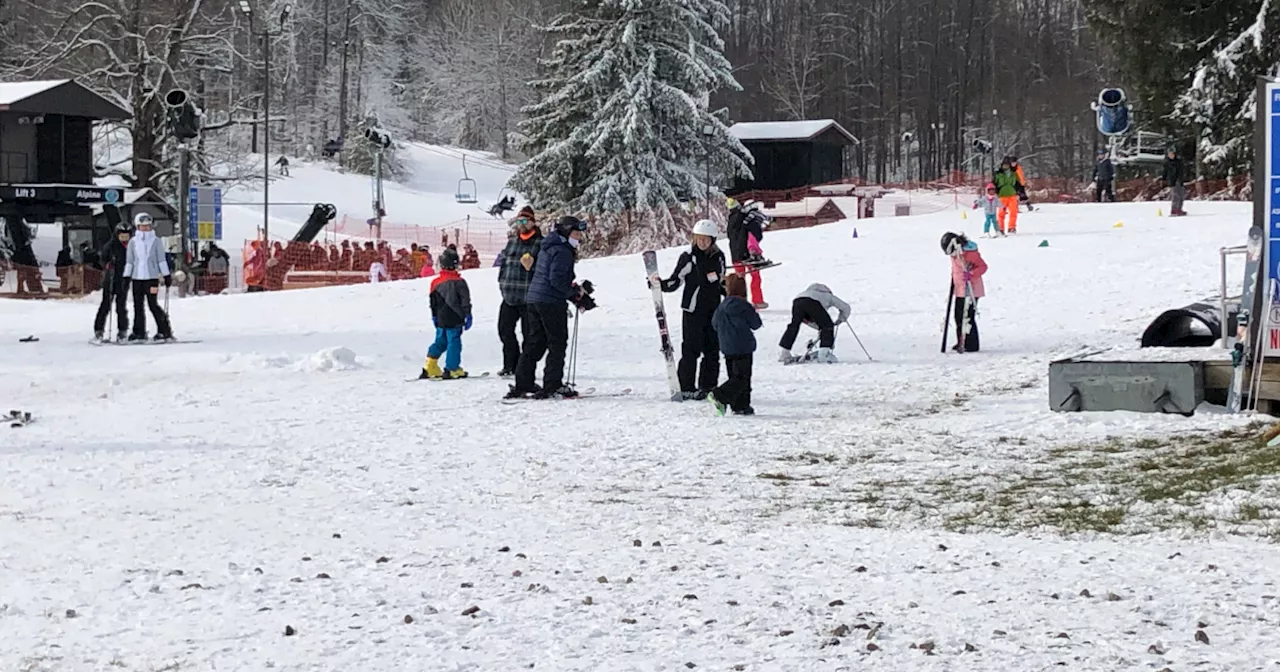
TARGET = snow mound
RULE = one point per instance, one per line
(330, 359)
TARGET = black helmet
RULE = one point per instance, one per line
(123, 227)
(568, 224)
(448, 259)
(952, 241)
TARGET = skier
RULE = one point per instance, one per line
(514, 276)
(990, 205)
(115, 287)
(550, 291)
(700, 270)
(741, 223)
(145, 265)
(1174, 177)
(735, 321)
(1006, 181)
(451, 315)
(1022, 183)
(470, 257)
(967, 269)
(1104, 175)
(810, 308)
(378, 271)
(283, 162)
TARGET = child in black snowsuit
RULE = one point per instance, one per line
(735, 320)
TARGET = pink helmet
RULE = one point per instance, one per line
(991, 185)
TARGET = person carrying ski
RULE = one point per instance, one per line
(1104, 175)
(115, 287)
(550, 291)
(743, 222)
(1006, 181)
(145, 265)
(451, 315)
(990, 204)
(514, 275)
(810, 308)
(735, 322)
(700, 270)
(1022, 183)
(967, 269)
(1174, 177)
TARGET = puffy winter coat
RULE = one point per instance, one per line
(145, 258)
(1006, 182)
(972, 261)
(513, 280)
(735, 322)
(742, 222)
(990, 205)
(450, 299)
(1104, 171)
(702, 275)
(553, 274)
(822, 294)
(112, 260)
(1173, 171)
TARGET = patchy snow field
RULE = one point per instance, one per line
(277, 497)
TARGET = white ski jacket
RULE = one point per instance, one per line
(145, 259)
(822, 294)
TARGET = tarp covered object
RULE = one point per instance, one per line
(1198, 325)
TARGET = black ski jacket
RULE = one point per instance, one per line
(1104, 171)
(702, 274)
(1173, 172)
(111, 260)
(740, 224)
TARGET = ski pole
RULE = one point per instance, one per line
(859, 340)
(573, 351)
(946, 321)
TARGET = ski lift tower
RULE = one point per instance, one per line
(466, 186)
(381, 141)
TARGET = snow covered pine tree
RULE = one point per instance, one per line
(623, 103)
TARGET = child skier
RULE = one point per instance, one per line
(967, 269)
(1006, 181)
(744, 221)
(810, 308)
(451, 315)
(990, 205)
(734, 321)
(701, 271)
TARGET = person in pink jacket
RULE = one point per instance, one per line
(967, 269)
(428, 264)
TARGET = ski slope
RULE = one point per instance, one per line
(179, 507)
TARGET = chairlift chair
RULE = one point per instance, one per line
(466, 186)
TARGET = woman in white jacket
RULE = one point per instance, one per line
(145, 265)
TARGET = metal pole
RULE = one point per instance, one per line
(859, 340)
(707, 160)
(184, 211)
(266, 138)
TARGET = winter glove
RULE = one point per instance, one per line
(168, 281)
(466, 324)
(968, 276)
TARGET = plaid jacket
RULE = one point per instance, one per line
(513, 280)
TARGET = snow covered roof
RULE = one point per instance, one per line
(810, 206)
(765, 131)
(58, 96)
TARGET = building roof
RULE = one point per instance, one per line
(781, 131)
(810, 206)
(58, 96)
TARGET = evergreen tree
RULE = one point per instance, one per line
(622, 127)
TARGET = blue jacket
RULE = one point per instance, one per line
(552, 272)
(735, 320)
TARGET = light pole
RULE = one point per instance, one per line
(266, 36)
(707, 131)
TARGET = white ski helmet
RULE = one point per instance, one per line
(142, 219)
(705, 227)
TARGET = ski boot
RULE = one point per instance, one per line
(514, 392)
(163, 337)
(122, 336)
(97, 336)
(137, 337)
(506, 374)
(760, 306)
(745, 410)
(432, 369)
(784, 355)
(825, 356)
(453, 374)
(562, 392)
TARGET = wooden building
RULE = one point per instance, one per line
(791, 154)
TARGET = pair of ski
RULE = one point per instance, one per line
(1251, 301)
(477, 376)
(147, 341)
(18, 418)
(589, 393)
(966, 326)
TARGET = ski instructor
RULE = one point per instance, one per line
(547, 306)
(700, 270)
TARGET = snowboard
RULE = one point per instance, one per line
(18, 418)
(1243, 350)
(476, 376)
(660, 311)
(589, 393)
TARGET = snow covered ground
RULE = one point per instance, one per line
(277, 497)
